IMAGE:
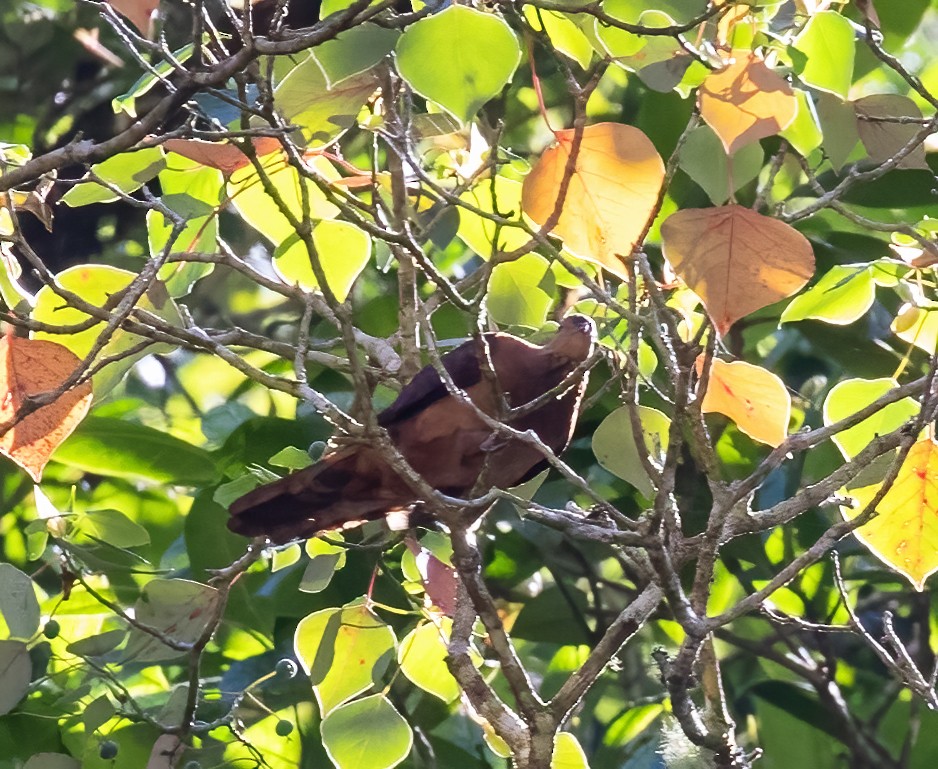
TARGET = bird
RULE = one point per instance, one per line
(441, 436)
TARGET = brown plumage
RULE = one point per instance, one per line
(442, 438)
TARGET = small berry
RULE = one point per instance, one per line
(51, 630)
(286, 668)
(283, 728)
(107, 749)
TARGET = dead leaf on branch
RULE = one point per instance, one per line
(223, 156)
(735, 260)
(745, 102)
(29, 367)
(613, 190)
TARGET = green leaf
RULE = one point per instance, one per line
(469, 78)
(354, 51)
(615, 449)
(323, 113)
(178, 608)
(422, 657)
(325, 560)
(366, 734)
(100, 286)
(112, 527)
(838, 121)
(122, 449)
(827, 41)
(262, 212)
(849, 397)
(568, 754)
(563, 33)
(96, 714)
(883, 138)
(18, 602)
(480, 233)
(804, 132)
(16, 669)
(292, 458)
(344, 651)
(128, 171)
(127, 102)
(343, 251)
(96, 645)
(705, 161)
(841, 297)
(521, 291)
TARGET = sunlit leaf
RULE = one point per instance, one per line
(353, 51)
(904, 533)
(827, 42)
(841, 296)
(344, 651)
(746, 101)
(113, 527)
(848, 397)
(838, 122)
(469, 79)
(755, 399)
(615, 448)
(804, 133)
(366, 734)
(31, 367)
(562, 32)
(918, 326)
(735, 260)
(127, 172)
(140, 13)
(342, 249)
(422, 657)
(568, 754)
(521, 291)
(481, 234)
(613, 189)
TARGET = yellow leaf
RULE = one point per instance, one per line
(613, 189)
(746, 101)
(755, 399)
(29, 367)
(904, 534)
(735, 260)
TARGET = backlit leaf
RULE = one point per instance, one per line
(127, 172)
(918, 326)
(226, 157)
(521, 291)
(735, 260)
(30, 367)
(904, 534)
(366, 734)
(755, 399)
(342, 249)
(563, 33)
(140, 13)
(827, 42)
(804, 133)
(613, 189)
(746, 101)
(18, 603)
(842, 296)
(480, 233)
(422, 657)
(838, 122)
(568, 754)
(344, 651)
(469, 78)
(848, 397)
(181, 609)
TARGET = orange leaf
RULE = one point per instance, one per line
(746, 101)
(735, 260)
(224, 156)
(613, 190)
(29, 367)
(140, 13)
(755, 399)
(904, 534)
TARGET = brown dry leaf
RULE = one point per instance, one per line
(904, 534)
(140, 13)
(613, 190)
(29, 367)
(746, 101)
(883, 139)
(735, 260)
(755, 399)
(224, 156)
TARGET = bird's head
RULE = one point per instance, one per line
(575, 338)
